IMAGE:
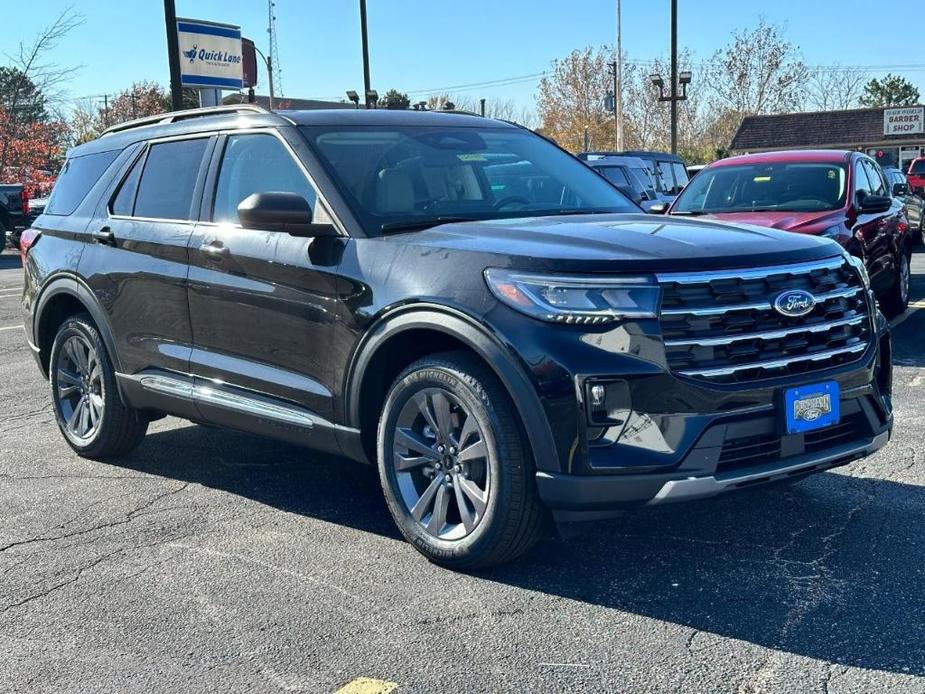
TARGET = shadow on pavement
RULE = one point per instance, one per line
(831, 568)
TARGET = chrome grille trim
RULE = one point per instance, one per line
(721, 326)
(768, 334)
(750, 273)
(758, 306)
(776, 363)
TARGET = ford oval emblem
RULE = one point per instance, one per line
(794, 303)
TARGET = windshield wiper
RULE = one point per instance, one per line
(692, 213)
(419, 224)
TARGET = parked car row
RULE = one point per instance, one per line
(843, 195)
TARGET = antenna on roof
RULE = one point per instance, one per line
(274, 47)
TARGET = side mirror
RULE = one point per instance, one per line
(900, 189)
(871, 204)
(658, 208)
(285, 212)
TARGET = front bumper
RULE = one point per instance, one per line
(581, 497)
(682, 439)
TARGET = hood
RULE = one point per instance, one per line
(801, 222)
(624, 242)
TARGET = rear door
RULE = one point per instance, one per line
(137, 261)
(262, 303)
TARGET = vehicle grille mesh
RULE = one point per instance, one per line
(721, 326)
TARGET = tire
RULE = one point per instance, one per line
(896, 299)
(438, 401)
(80, 371)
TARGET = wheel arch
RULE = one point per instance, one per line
(61, 298)
(401, 337)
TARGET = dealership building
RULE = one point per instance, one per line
(894, 136)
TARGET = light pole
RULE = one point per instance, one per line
(683, 79)
(365, 48)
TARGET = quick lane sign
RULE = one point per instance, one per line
(903, 121)
(210, 54)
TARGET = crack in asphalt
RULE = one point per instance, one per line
(131, 515)
(81, 570)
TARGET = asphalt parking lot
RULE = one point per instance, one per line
(211, 561)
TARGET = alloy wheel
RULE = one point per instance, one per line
(79, 392)
(441, 463)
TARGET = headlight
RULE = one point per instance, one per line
(578, 300)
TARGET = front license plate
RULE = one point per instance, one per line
(812, 407)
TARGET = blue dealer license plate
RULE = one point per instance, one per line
(812, 407)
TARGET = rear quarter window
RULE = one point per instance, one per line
(77, 177)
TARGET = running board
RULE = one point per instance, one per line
(223, 397)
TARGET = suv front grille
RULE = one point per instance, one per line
(721, 326)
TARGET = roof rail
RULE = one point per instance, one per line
(174, 116)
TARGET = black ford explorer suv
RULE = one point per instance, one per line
(454, 299)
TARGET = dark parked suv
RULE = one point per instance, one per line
(454, 299)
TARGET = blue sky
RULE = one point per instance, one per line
(418, 45)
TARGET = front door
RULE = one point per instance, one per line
(262, 303)
(876, 231)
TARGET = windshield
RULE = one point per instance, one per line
(918, 167)
(801, 187)
(397, 177)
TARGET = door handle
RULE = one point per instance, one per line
(105, 237)
(212, 252)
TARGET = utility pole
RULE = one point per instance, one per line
(366, 86)
(173, 54)
(674, 77)
(618, 84)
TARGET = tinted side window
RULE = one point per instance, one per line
(256, 164)
(76, 179)
(125, 199)
(861, 182)
(878, 187)
(166, 187)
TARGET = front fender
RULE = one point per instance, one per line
(501, 358)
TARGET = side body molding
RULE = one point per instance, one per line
(477, 337)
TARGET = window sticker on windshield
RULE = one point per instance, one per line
(832, 174)
(761, 179)
(471, 157)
